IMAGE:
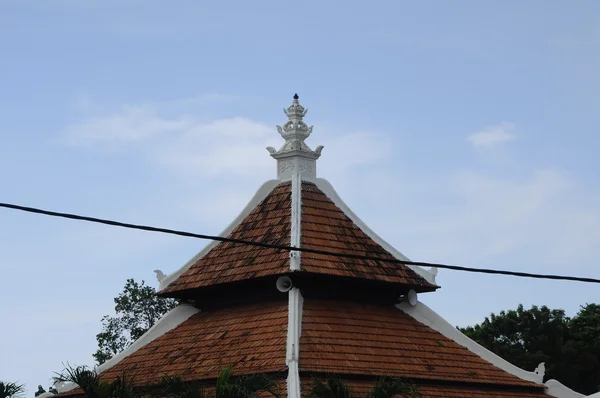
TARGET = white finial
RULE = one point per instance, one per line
(295, 156)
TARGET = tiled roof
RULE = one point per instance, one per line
(326, 227)
(252, 338)
(360, 389)
(269, 222)
(362, 339)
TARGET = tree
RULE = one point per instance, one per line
(570, 348)
(11, 390)
(137, 309)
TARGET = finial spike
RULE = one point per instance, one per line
(295, 155)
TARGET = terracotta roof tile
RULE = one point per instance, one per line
(252, 338)
(229, 262)
(351, 338)
(326, 227)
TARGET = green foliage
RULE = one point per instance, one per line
(331, 388)
(93, 387)
(243, 386)
(137, 309)
(570, 348)
(385, 387)
(174, 387)
(227, 386)
(11, 390)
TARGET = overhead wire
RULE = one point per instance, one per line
(292, 248)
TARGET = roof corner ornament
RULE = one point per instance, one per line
(540, 371)
(433, 271)
(160, 275)
(295, 156)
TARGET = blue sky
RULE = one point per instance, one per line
(462, 132)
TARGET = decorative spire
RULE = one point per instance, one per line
(295, 155)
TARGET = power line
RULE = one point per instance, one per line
(291, 248)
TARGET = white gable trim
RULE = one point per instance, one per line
(258, 197)
(557, 389)
(293, 341)
(167, 322)
(328, 190)
(428, 317)
(296, 227)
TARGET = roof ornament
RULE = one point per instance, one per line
(540, 371)
(160, 276)
(295, 156)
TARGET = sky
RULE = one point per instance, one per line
(462, 132)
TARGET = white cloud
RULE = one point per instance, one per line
(492, 136)
(129, 124)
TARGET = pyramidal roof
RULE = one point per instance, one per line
(299, 210)
(298, 315)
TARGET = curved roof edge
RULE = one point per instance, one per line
(167, 322)
(258, 197)
(428, 317)
(556, 389)
(328, 190)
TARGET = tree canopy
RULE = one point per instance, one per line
(570, 347)
(137, 309)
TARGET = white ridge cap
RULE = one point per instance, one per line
(326, 187)
(258, 197)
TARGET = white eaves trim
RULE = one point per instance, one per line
(555, 388)
(258, 197)
(328, 190)
(430, 318)
(169, 321)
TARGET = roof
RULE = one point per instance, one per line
(360, 388)
(326, 227)
(256, 329)
(323, 225)
(250, 337)
(348, 338)
(268, 222)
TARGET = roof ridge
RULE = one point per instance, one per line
(258, 197)
(327, 188)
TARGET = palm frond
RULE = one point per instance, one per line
(174, 387)
(122, 386)
(331, 388)
(86, 379)
(11, 389)
(388, 387)
(228, 386)
(252, 384)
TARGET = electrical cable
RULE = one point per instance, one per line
(295, 249)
